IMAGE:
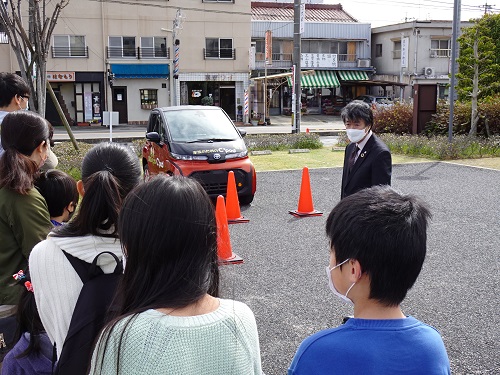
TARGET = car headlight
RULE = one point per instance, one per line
(189, 157)
(237, 155)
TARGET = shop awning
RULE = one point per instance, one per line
(320, 79)
(140, 70)
(352, 75)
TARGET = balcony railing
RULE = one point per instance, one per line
(70, 51)
(221, 53)
(154, 53)
(138, 53)
(438, 52)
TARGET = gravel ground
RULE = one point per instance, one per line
(283, 278)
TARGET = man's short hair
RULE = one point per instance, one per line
(10, 86)
(357, 110)
(386, 231)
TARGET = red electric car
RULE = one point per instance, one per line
(199, 142)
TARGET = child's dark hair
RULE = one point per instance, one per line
(58, 189)
(386, 232)
(109, 172)
(28, 319)
(21, 133)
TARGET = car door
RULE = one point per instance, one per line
(159, 158)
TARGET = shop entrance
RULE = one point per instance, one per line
(120, 103)
(227, 101)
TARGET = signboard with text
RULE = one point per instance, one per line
(318, 60)
(404, 52)
(269, 47)
(61, 76)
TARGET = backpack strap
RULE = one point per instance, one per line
(81, 267)
(94, 268)
(88, 271)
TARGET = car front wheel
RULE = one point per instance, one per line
(246, 199)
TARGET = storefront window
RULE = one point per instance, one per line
(149, 98)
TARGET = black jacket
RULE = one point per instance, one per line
(373, 167)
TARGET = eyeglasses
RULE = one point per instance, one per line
(24, 97)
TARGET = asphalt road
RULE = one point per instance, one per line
(282, 278)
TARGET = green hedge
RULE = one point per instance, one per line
(280, 142)
(398, 119)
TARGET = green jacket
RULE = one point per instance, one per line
(24, 221)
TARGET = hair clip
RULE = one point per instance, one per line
(28, 286)
(19, 275)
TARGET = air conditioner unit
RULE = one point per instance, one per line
(429, 71)
(364, 63)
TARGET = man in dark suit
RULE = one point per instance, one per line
(367, 160)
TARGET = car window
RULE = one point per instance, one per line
(154, 123)
(193, 125)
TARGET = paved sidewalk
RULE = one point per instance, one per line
(321, 124)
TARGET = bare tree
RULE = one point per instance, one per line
(32, 45)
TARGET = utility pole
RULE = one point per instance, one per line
(298, 10)
(486, 7)
(173, 71)
(454, 55)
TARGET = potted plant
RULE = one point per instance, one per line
(207, 100)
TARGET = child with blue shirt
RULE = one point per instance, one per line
(377, 249)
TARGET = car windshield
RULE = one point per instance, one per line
(198, 125)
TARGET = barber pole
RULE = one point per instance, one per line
(245, 106)
(176, 59)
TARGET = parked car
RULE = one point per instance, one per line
(199, 142)
(378, 101)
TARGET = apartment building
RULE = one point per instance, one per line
(132, 56)
(416, 52)
(335, 48)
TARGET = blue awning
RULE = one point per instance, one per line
(140, 70)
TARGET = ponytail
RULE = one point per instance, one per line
(99, 207)
(109, 172)
(17, 171)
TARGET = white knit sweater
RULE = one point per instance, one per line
(57, 285)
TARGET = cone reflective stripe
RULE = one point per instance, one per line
(224, 251)
(232, 202)
(306, 207)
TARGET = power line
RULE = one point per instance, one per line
(123, 2)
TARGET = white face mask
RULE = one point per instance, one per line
(334, 290)
(355, 135)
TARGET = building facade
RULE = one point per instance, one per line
(335, 52)
(130, 57)
(416, 52)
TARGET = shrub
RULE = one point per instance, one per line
(489, 110)
(397, 119)
(70, 160)
(277, 142)
(438, 125)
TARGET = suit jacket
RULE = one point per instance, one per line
(373, 167)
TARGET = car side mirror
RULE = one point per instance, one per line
(243, 132)
(153, 137)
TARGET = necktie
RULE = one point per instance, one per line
(352, 158)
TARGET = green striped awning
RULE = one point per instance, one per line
(320, 79)
(353, 75)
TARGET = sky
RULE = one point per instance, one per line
(388, 12)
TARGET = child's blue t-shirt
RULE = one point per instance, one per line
(363, 346)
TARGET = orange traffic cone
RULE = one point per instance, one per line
(232, 202)
(224, 252)
(306, 207)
